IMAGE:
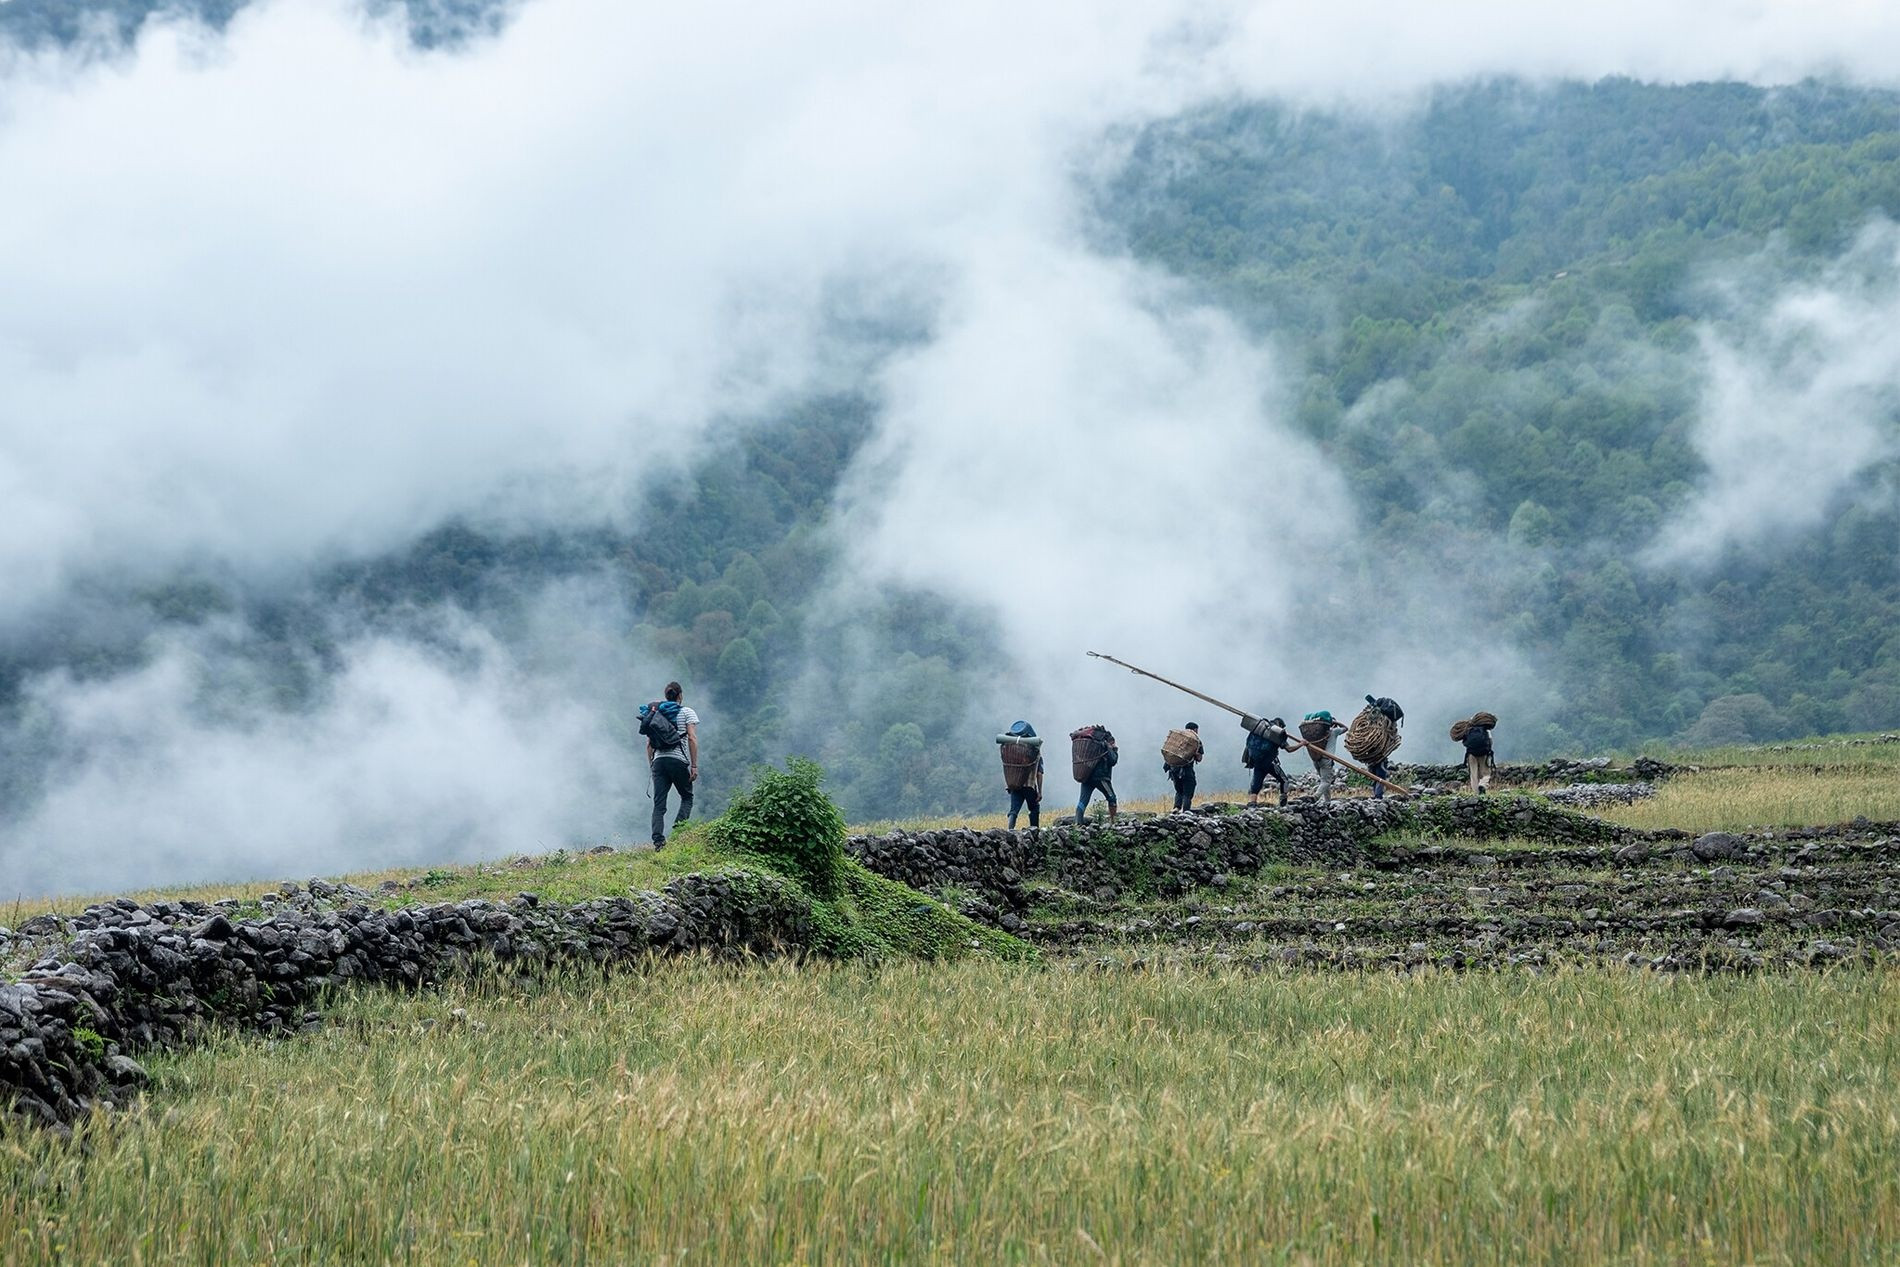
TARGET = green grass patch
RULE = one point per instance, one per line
(871, 917)
(568, 878)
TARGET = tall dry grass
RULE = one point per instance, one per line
(1767, 796)
(983, 1113)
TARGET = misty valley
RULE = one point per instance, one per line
(1532, 332)
(622, 626)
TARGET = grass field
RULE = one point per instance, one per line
(1810, 783)
(1767, 796)
(1852, 752)
(989, 1113)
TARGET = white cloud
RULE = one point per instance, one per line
(308, 290)
(1802, 397)
(410, 759)
(1373, 50)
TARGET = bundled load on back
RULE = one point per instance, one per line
(1374, 733)
(1316, 729)
(1266, 740)
(1022, 758)
(1179, 748)
(1460, 728)
(1088, 746)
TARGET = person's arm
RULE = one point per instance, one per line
(692, 747)
(649, 752)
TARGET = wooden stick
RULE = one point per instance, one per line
(1244, 715)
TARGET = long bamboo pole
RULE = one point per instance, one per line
(1244, 715)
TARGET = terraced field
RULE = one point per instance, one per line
(1774, 898)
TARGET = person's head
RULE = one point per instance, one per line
(673, 691)
(1194, 726)
(1277, 722)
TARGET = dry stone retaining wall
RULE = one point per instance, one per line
(1555, 770)
(1173, 853)
(137, 977)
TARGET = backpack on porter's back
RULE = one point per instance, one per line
(1317, 730)
(1260, 753)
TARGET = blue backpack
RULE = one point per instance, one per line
(660, 723)
(1260, 753)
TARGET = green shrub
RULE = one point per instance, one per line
(786, 820)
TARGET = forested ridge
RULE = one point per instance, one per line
(1486, 305)
(1519, 271)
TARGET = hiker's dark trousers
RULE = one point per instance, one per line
(1025, 796)
(670, 772)
(1184, 784)
(1384, 771)
(1270, 770)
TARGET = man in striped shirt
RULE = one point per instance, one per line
(675, 766)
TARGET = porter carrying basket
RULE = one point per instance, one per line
(1180, 748)
(1089, 746)
(1020, 772)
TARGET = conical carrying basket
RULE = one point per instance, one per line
(1088, 746)
(1019, 768)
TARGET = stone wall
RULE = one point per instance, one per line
(1168, 855)
(1531, 774)
(135, 978)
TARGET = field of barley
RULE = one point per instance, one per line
(989, 1113)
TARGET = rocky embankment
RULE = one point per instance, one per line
(1458, 883)
(134, 978)
(1169, 855)
(1557, 770)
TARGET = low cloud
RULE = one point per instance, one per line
(1802, 400)
(456, 750)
